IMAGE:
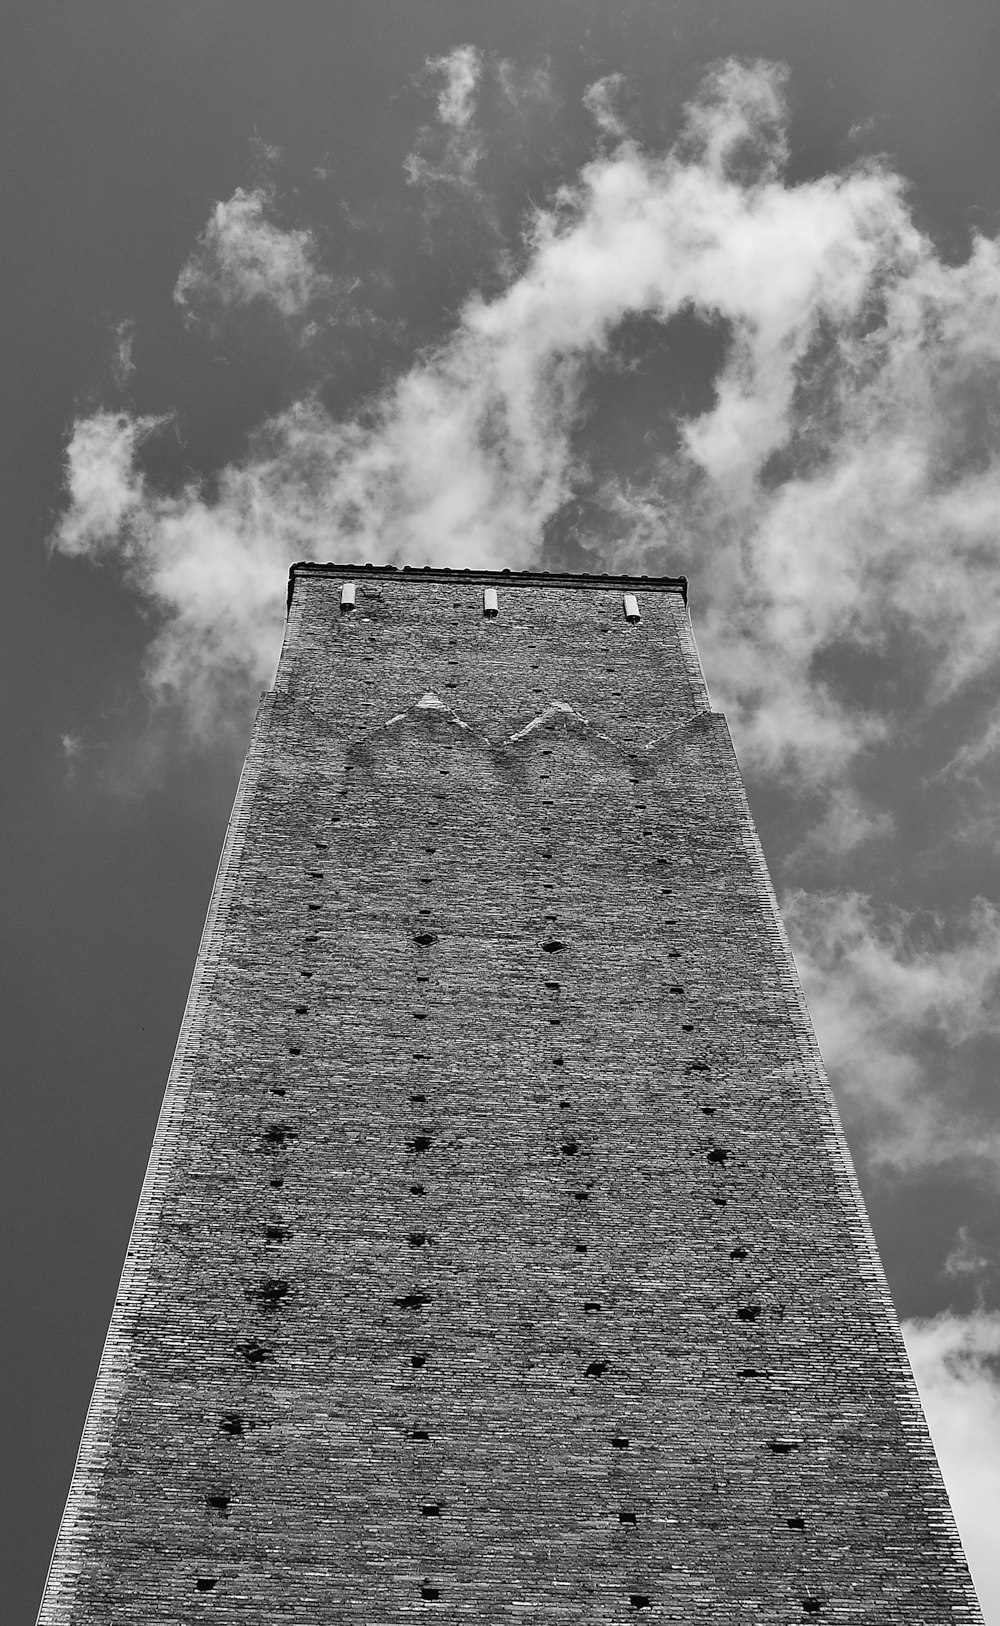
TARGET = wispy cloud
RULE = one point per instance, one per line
(123, 356)
(448, 152)
(840, 488)
(484, 105)
(106, 495)
(601, 99)
(967, 1261)
(459, 74)
(209, 571)
(956, 1362)
(245, 258)
(898, 1001)
(845, 822)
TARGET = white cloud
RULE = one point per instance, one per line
(896, 1000)
(459, 73)
(841, 486)
(210, 572)
(967, 1259)
(74, 750)
(956, 1362)
(525, 91)
(737, 125)
(123, 360)
(601, 101)
(244, 258)
(845, 823)
(975, 756)
(484, 105)
(449, 153)
(103, 488)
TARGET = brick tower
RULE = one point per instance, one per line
(500, 1257)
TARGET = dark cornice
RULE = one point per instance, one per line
(510, 578)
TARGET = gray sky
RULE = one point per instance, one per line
(656, 286)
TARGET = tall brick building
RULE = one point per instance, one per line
(500, 1257)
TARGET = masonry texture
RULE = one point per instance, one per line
(500, 1257)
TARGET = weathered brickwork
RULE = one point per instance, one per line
(500, 1257)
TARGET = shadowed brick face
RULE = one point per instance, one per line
(500, 1257)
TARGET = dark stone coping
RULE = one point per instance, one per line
(489, 578)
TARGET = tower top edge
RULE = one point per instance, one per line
(413, 575)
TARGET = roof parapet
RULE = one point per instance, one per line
(491, 578)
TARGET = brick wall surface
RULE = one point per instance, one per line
(499, 1257)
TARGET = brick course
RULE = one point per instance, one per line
(500, 1255)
